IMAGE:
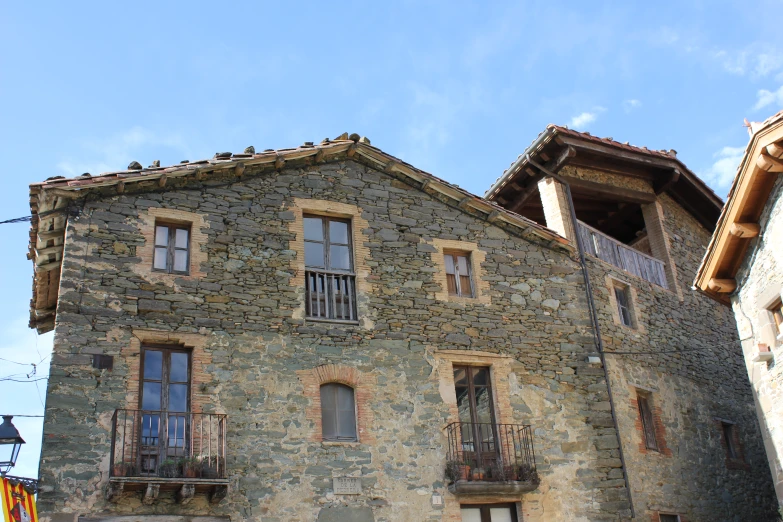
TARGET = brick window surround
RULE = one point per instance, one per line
(145, 252)
(633, 304)
(476, 258)
(360, 250)
(200, 359)
(363, 385)
(658, 426)
(738, 462)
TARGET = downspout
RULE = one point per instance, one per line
(593, 316)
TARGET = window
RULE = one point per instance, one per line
(172, 248)
(458, 276)
(621, 295)
(729, 434)
(330, 280)
(338, 412)
(476, 415)
(648, 425)
(489, 513)
(165, 401)
(668, 518)
(777, 317)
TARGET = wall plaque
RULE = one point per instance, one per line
(347, 486)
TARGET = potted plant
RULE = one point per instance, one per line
(122, 469)
(455, 471)
(526, 473)
(168, 468)
(191, 466)
(209, 467)
(478, 473)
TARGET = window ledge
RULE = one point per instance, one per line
(347, 443)
(331, 321)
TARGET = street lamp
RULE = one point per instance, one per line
(10, 444)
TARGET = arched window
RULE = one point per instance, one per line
(338, 412)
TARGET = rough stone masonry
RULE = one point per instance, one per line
(256, 357)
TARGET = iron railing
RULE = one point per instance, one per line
(330, 295)
(622, 256)
(168, 444)
(490, 452)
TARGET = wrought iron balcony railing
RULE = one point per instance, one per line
(330, 295)
(622, 256)
(489, 452)
(168, 445)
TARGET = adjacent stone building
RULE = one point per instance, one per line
(743, 268)
(328, 333)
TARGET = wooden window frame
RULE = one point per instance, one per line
(454, 254)
(485, 513)
(338, 438)
(171, 246)
(164, 366)
(623, 298)
(644, 402)
(777, 317)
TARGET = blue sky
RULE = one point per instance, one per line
(458, 89)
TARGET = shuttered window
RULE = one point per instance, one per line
(458, 276)
(648, 426)
(338, 412)
(777, 316)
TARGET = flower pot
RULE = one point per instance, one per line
(464, 472)
(190, 470)
(478, 474)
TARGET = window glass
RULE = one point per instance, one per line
(500, 514)
(180, 260)
(449, 263)
(338, 232)
(182, 238)
(151, 396)
(313, 229)
(161, 235)
(178, 397)
(153, 364)
(328, 412)
(340, 258)
(160, 258)
(648, 426)
(179, 367)
(471, 514)
(338, 412)
(314, 254)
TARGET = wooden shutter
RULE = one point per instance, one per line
(648, 426)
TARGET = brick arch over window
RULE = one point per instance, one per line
(363, 385)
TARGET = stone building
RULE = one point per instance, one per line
(328, 333)
(743, 268)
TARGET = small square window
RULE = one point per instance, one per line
(623, 308)
(172, 248)
(668, 518)
(458, 274)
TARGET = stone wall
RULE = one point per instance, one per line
(255, 356)
(685, 357)
(760, 282)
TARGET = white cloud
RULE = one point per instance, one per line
(629, 105)
(758, 60)
(116, 152)
(721, 173)
(581, 121)
(765, 97)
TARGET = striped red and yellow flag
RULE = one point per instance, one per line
(18, 504)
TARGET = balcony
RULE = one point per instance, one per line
(331, 295)
(154, 451)
(622, 256)
(490, 459)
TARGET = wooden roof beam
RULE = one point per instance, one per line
(769, 163)
(662, 185)
(722, 286)
(744, 230)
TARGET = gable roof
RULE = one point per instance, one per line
(748, 196)
(667, 172)
(52, 200)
